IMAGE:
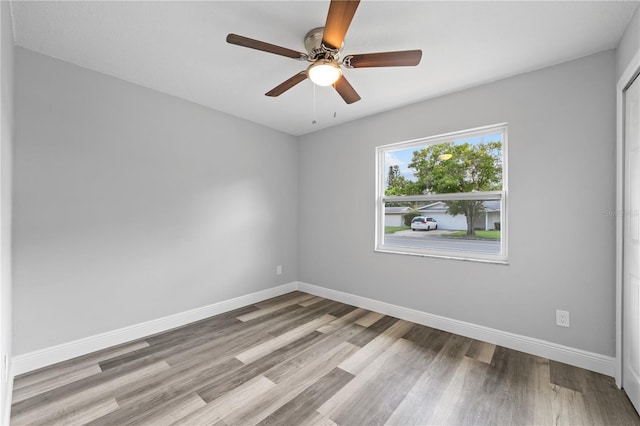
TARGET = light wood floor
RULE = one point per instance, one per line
(304, 360)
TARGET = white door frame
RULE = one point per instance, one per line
(625, 80)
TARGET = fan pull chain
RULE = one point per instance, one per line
(313, 121)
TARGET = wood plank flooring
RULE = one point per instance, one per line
(299, 359)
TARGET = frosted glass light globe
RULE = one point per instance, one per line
(324, 72)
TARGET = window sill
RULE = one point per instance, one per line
(443, 255)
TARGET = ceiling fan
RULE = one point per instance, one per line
(324, 46)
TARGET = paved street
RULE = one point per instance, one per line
(434, 240)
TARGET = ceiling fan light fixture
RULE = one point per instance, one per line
(324, 72)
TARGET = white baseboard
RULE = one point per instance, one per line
(8, 397)
(572, 356)
(48, 356)
(577, 357)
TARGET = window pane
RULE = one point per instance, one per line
(397, 216)
(451, 166)
(444, 195)
(449, 226)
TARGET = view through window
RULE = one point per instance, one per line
(444, 196)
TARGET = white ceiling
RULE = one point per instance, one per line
(179, 48)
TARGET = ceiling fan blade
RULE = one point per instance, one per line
(346, 91)
(338, 20)
(288, 84)
(404, 58)
(265, 47)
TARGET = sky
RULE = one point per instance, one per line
(402, 157)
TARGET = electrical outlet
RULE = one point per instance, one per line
(279, 270)
(562, 318)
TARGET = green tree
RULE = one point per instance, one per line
(447, 168)
(410, 215)
(399, 185)
(394, 173)
(404, 186)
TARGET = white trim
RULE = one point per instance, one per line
(483, 195)
(441, 254)
(381, 198)
(625, 79)
(48, 356)
(8, 397)
(577, 357)
(447, 137)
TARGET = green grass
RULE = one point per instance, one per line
(482, 235)
(392, 229)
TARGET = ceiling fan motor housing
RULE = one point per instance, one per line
(315, 48)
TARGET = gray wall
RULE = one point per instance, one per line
(131, 205)
(6, 143)
(561, 181)
(629, 44)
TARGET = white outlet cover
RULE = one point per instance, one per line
(562, 318)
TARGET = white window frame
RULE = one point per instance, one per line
(381, 199)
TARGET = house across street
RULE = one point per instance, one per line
(485, 220)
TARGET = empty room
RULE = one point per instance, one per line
(320, 212)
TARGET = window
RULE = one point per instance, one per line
(444, 196)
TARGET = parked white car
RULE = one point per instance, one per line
(423, 222)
